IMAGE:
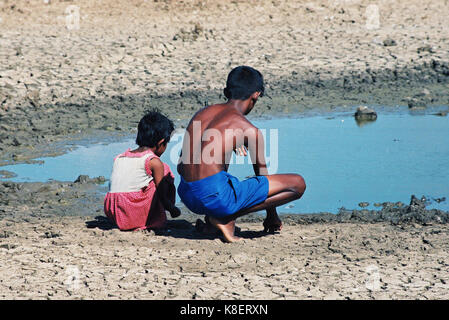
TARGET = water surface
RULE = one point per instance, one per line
(343, 162)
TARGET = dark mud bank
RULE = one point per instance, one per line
(31, 200)
(28, 127)
(84, 197)
(394, 213)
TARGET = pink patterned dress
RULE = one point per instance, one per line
(132, 202)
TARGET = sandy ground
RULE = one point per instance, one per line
(60, 78)
(67, 260)
(399, 252)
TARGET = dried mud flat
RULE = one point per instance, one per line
(399, 252)
(63, 259)
(128, 56)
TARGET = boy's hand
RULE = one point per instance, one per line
(175, 212)
(241, 151)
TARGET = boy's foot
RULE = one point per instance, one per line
(271, 225)
(227, 228)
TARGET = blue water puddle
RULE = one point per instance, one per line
(343, 162)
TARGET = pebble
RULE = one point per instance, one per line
(416, 103)
(365, 113)
(86, 179)
(389, 42)
(363, 204)
(425, 48)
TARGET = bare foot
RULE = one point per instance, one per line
(272, 225)
(227, 228)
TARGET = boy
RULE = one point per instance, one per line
(212, 135)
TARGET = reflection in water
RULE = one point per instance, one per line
(363, 122)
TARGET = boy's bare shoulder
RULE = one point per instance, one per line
(241, 122)
(225, 118)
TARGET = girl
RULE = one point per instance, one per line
(141, 185)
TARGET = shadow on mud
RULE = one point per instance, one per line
(179, 228)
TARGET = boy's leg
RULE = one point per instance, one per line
(272, 222)
(282, 188)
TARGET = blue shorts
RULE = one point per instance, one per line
(222, 194)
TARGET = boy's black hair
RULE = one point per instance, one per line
(152, 128)
(242, 82)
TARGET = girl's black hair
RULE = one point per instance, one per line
(242, 82)
(152, 128)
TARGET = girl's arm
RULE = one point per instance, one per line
(163, 186)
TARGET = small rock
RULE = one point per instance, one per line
(365, 113)
(51, 234)
(389, 42)
(86, 179)
(99, 180)
(416, 204)
(363, 204)
(425, 48)
(82, 179)
(438, 200)
(416, 103)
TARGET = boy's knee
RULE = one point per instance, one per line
(300, 184)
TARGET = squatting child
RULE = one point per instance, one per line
(141, 185)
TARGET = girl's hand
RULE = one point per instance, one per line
(175, 212)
